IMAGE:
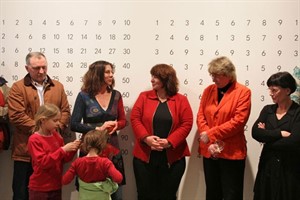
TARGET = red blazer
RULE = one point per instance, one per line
(225, 120)
(2, 100)
(142, 120)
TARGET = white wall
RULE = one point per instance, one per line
(260, 37)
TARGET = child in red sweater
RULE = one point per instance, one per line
(48, 153)
(97, 175)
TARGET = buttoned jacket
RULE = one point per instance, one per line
(226, 120)
(23, 103)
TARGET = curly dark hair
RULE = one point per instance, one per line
(93, 79)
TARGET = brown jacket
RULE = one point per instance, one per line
(23, 103)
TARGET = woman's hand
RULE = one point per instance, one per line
(154, 142)
(214, 149)
(164, 143)
(204, 137)
(285, 133)
(261, 125)
(110, 126)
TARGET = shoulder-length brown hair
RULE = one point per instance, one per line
(93, 79)
(95, 139)
(167, 75)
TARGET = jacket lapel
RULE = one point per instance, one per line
(288, 116)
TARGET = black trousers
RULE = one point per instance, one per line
(22, 172)
(158, 182)
(224, 179)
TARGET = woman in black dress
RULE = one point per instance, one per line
(278, 129)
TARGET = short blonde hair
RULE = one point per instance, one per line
(222, 66)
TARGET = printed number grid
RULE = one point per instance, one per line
(260, 37)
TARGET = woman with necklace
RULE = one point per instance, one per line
(278, 129)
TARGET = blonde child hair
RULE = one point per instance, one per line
(46, 111)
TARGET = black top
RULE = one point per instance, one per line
(162, 123)
(278, 175)
(221, 91)
(162, 120)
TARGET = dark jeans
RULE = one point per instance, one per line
(21, 174)
(51, 195)
(224, 179)
(158, 182)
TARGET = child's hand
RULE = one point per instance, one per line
(71, 146)
(77, 142)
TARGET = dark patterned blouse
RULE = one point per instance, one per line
(88, 113)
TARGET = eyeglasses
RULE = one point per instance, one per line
(273, 90)
(216, 75)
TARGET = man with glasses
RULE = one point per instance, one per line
(25, 97)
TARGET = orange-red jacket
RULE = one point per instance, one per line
(225, 120)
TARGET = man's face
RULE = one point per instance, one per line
(37, 69)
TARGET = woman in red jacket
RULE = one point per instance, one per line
(161, 120)
(224, 110)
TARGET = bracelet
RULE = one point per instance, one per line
(169, 145)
